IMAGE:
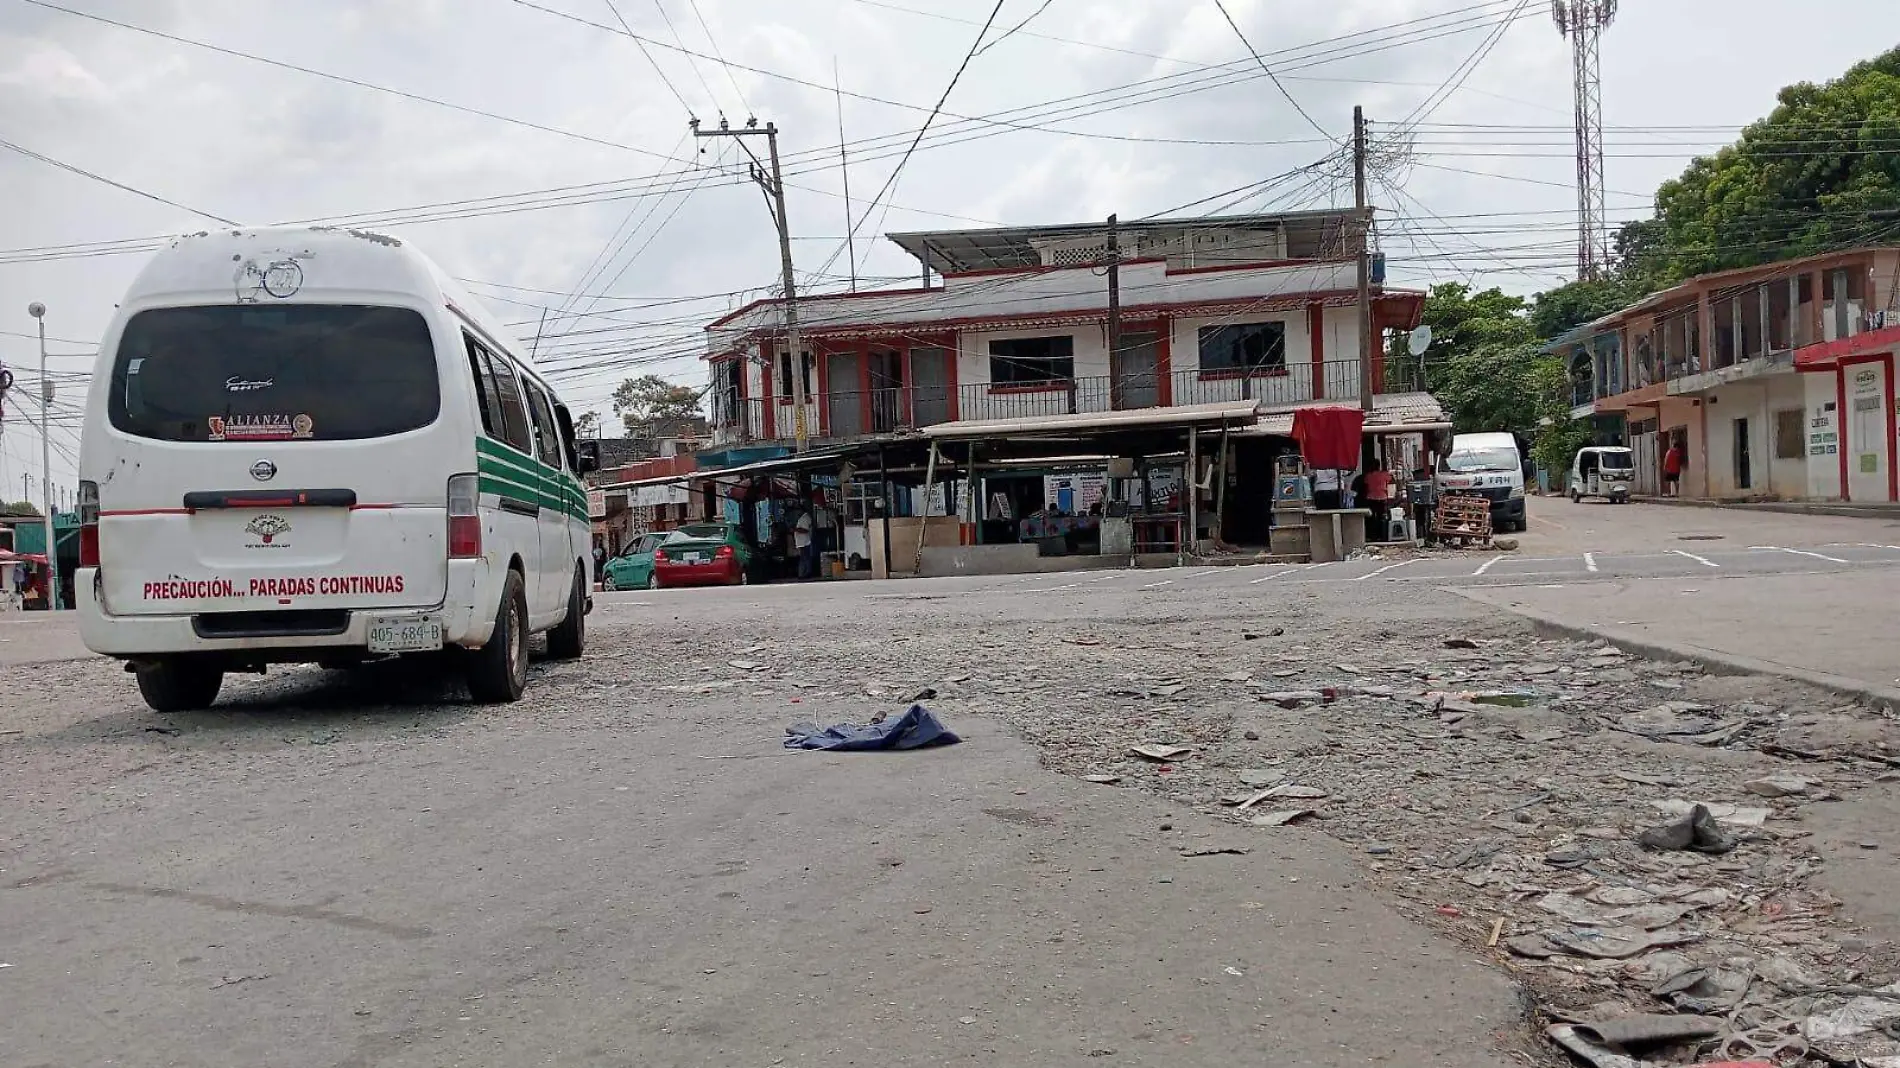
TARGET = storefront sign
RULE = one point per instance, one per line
(596, 503)
(653, 496)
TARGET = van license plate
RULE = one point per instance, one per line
(404, 635)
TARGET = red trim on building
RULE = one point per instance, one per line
(1164, 360)
(1893, 435)
(866, 416)
(767, 419)
(821, 355)
(955, 348)
(1840, 427)
(1832, 353)
(1316, 337)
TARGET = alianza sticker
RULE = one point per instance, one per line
(259, 427)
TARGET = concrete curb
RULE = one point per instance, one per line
(1722, 663)
(1841, 509)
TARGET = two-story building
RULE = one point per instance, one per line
(1249, 316)
(1776, 381)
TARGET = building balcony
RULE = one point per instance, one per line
(850, 415)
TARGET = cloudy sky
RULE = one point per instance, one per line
(536, 149)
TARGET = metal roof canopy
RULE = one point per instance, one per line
(954, 251)
(1088, 424)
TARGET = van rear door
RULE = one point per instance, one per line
(274, 456)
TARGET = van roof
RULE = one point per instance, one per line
(287, 263)
(1487, 440)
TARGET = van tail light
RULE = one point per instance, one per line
(465, 520)
(89, 524)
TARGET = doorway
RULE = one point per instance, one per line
(1137, 371)
(1744, 473)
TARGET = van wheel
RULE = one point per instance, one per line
(498, 671)
(569, 640)
(176, 684)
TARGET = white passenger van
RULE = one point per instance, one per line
(310, 445)
(1488, 466)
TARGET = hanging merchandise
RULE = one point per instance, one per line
(1329, 437)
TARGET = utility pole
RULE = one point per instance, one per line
(774, 189)
(1365, 256)
(38, 312)
(1114, 313)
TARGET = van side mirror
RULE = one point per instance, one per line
(589, 453)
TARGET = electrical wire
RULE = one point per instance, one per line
(654, 63)
(1006, 34)
(1263, 66)
(943, 98)
(711, 97)
(134, 190)
(713, 39)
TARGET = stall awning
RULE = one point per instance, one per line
(1222, 413)
(1392, 413)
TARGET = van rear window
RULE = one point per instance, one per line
(319, 372)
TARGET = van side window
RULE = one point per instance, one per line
(485, 392)
(514, 416)
(545, 436)
(565, 420)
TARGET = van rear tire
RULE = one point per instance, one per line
(569, 640)
(178, 684)
(498, 671)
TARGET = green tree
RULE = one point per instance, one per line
(1557, 310)
(1820, 172)
(19, 508)
(640, 401)
(588, 425)
(1482, 349)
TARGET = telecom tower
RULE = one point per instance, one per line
(1582, 21)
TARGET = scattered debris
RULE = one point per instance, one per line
(1696, 831)
(1102, 779)
(233, 980)
(1161, 753)
(1460, 643)
(1281, 817)
(1776, 786)
(746, 665)
(1216, 851)
(169, 732)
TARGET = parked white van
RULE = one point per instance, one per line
(310, 445)
(1488, 466)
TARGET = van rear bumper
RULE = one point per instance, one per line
(150, 635)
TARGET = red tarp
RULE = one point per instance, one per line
(1329, 437)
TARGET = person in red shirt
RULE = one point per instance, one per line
(1672, 471)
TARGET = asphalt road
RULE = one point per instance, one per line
(360, 869)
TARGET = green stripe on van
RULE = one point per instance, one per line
(505, 471)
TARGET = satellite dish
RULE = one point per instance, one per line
(1419, 340)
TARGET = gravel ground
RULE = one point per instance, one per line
(1471, 816)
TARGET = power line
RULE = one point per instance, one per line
(711, 97)
(1006, 34)
(1263, 66)
(654, 63)
(942, 99)
(345, 79)
(713, 40)
(82, 172)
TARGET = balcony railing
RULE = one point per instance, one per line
(843, 415)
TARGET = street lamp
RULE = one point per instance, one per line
(38, 312)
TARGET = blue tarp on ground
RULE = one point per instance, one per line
(915, 729)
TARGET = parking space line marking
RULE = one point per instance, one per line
(1315, 567)
(1381, 571)
(1269, 578)
(1104, 578)
(1801, 552)
(1199, 574)
(1703, 560)
(1163, 582)
(1487, 565)
(1590, 562)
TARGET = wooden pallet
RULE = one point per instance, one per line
(1463, 521)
